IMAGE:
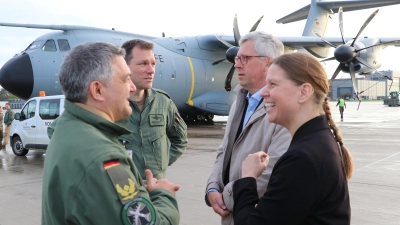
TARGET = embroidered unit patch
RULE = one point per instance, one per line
(139, 211)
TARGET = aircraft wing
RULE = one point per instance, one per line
(309, 41)
(69, 28)
(302, 13)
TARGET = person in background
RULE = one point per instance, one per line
(247, 130)
(88, 178)
(159, 135)
(8, 118)
(1, 125)
(342, 105)
(308, 184)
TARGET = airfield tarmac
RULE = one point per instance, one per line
(371, 133)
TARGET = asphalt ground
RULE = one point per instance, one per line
(371, 133)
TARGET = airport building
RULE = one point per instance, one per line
(16, 104)
(373, 87)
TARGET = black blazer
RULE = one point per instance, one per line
(307, 186)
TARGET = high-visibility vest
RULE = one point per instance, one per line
(341, 102)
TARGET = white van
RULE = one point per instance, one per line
(29, 127)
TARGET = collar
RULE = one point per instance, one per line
(256, 95)
(96, 118)
(314, 125)
(94, 111)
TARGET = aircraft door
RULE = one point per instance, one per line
(170, 75)
(28, 123)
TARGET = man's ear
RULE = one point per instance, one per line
(268, 63)
(306, 92)
(96, 90)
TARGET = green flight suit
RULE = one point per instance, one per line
(88, 178)
(9, 117)
(1, 126)
(159, 134)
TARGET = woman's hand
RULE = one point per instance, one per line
(255, 164)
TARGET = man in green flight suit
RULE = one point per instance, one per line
(88, 177)
(8, 118)
(342, 105)
(159, 133)
(1, 124)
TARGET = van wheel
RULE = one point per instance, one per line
(18, 147)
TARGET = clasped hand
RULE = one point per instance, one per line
(255, 164)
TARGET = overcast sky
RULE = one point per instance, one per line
(183, 18)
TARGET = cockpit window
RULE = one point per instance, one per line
(33, 45)
(49, 46)
(63, 45)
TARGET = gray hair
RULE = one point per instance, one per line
(265, 44)
(85, 63)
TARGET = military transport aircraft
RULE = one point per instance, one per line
(193, 70)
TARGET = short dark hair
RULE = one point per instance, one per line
(129, 45)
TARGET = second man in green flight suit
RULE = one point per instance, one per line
(159, 135)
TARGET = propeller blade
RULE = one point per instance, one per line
(228, 78)
(353, 78)
(236, 30)
(362, 61)
(341, 23)
(338, 69)
(324, 39)
(364, 25)
(218, 61)
(256, 24)
(227, 44)
(383, 43)
(328, 59)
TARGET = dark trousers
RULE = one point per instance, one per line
(341, 109)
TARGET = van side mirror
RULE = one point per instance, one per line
(17, 116)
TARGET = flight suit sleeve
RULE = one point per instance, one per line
(177, 133)
(98, 199)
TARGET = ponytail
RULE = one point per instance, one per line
(347, 159)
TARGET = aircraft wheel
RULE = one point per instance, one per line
(17, 147)
(210, 117)
(200, 117)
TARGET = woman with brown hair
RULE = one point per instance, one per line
(308, 184)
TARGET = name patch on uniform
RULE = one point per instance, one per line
(156, 120)
(138, 211)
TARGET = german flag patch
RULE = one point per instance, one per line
(124, 185)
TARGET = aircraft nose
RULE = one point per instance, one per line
(16, 76)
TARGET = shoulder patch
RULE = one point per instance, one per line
(138, 211)
(124, 185)
(162, 92)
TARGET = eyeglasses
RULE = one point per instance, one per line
(245, 58)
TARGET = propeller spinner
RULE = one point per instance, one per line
(347, 55)
(233, 50)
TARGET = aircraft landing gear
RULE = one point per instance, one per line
(197, 118)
